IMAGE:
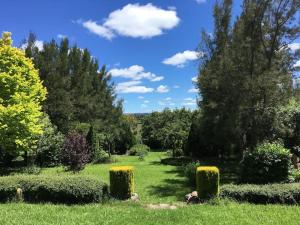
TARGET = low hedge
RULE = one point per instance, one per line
(288, 193)
(62, 189)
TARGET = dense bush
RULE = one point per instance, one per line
(268, 163)
(190, 172)
(263, 194)
(207, 180)
(101, 156)
(142, 154)
(75, 152)
(121, 182)
(62, 189)
(49, 145)
(136, 148)
(295, 176)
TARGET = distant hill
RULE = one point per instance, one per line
(138, 115)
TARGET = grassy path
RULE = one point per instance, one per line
(154, 182)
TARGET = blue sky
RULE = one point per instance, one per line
(147, 45)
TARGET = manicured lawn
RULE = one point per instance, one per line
(128, 214)
(154, 182)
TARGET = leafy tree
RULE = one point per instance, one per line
(21, 97)
(167, 129)
(75, 153)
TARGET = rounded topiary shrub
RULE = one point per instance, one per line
(267, 163)
(207, 181)
(121, 182)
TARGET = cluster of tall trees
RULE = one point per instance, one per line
(245, 76)
(81, 95)
(78, 90)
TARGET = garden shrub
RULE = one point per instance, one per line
(101, 156)
(49, 144)
(75, 152)
(268, 163)
(62, 189)
(190, 172)
(121, 182)
(288, 193)
(207, 180)
(138, 148)
(295, 176)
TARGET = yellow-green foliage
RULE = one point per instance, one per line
(207, 179)
(21, 94)
(121, 182)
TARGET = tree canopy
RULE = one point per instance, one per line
(21, 98)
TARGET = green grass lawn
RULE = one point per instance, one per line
(129, 214)
(155, 183)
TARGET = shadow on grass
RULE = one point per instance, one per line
(170, 187)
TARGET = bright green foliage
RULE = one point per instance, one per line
(263, 194)
(207, 181)
(268, 163)
(121, 182)
(21, 95)
(59, 189)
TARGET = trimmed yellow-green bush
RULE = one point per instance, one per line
(207, 180)
(121, 182)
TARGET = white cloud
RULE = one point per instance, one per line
(176, 86)
(132, 87)
(135, 72)
(168, 99)
(194, 79)
(193, 90)
(61, 36)
(146, 101)
(141, 97)
(297, 64)
(162, 89)
(189, 102)
(182, 58)
(135, 20)
(144, 105)
(100, 30)
(39, 44)
(200, 1)
(294, 46)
